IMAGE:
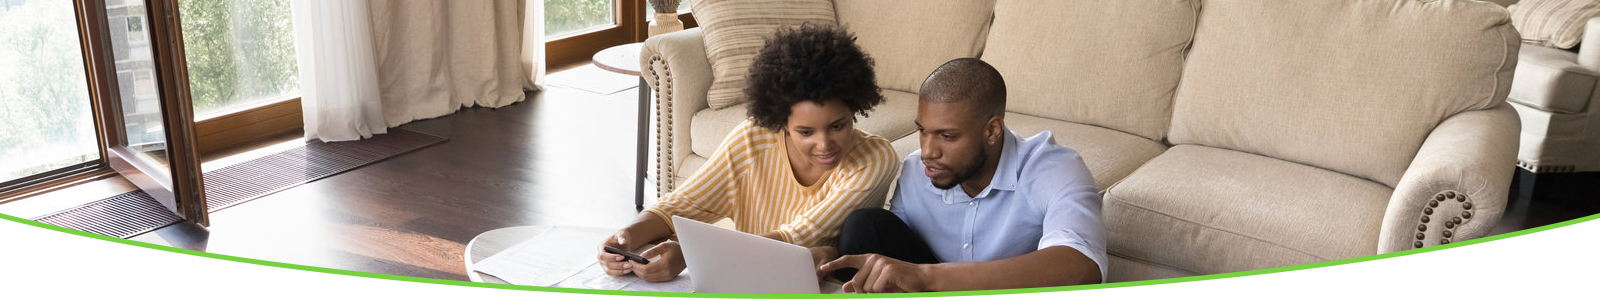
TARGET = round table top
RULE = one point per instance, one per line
(492, 242)
(621, 58)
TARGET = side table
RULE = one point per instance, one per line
(624, 59)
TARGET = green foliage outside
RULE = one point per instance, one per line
(683, 5)
(239, 52)
(44, 97)
(568, 16)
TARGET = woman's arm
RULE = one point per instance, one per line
(703, 197)
(849, 190)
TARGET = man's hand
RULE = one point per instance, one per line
(666, 262)
(881, 274)
(617, 265)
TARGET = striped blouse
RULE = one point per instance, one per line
(749, 179)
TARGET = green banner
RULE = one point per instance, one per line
(42, 260)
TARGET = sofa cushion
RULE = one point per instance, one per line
(908, 39)
(1111, 155)
(893, 119)
(1206, 210)
(735, 30)
(1553, 23)
(1112, 64)
(1349, 86)
(1557, 142)
(907, 144)
(1124, 270)
(1551, 79)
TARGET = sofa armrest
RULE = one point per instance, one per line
(1589, 47)
(1461, 173)
(679, 75)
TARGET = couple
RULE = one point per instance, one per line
(976, 208)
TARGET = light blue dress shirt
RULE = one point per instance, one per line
(1042, 195)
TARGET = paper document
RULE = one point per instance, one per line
(548, 258)
(594, 277)
(567, 257)
(680, 284)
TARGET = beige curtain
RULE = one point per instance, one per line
(437, 56)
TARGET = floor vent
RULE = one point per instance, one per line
(122, 216)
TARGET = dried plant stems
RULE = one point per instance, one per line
(664, 6)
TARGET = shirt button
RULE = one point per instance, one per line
(964, 246)
(972, 204)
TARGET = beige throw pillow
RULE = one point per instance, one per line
(1553, 23)
(735, 30)
(917, 37)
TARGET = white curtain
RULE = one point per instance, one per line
(338, 81)
(438, 56)
(383, 63)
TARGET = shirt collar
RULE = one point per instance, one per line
(1005, 174)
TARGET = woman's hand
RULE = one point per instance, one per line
(666, 262)
(617, 265)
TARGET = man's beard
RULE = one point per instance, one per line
(963, 175)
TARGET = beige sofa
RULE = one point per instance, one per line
(1228, 135)
(1557, 93)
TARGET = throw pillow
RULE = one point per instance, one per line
(1553, 23)
(735, 30)
(918, 37)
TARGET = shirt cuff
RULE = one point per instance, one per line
(785, 236)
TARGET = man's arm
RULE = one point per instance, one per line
(1052, 266)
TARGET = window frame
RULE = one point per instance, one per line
(578, 48)
(91, 25)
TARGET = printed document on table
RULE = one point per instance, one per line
(680, 284)
(548, 258)
(594, 277)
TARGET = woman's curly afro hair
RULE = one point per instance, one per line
(813, 63)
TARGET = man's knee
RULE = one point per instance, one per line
(860, 231)
(867, 220)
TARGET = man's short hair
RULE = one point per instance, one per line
(970, 81)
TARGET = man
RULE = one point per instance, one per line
(981, 207)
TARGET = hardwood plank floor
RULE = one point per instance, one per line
(562, 157)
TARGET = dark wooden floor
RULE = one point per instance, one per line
(563, 157)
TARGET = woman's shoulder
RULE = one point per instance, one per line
(747, 132)
(872, 149)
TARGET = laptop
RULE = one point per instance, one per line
(726, 261)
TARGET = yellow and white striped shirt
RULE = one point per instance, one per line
(749, 179)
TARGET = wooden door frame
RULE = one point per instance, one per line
(182, 187)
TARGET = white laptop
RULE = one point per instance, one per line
(727, 261)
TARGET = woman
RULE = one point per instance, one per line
(793, 170)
